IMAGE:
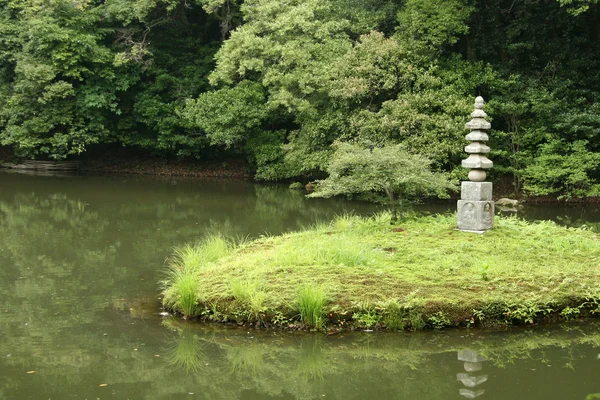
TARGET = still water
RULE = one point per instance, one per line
(80, 258)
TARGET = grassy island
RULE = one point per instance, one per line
(365, 273)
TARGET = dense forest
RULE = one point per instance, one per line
(281, 82)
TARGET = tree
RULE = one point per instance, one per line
(388, 174)
(60, 80)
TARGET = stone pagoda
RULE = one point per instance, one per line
(475, 207)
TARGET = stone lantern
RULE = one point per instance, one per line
(475, 207)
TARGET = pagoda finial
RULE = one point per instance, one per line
(479, 103)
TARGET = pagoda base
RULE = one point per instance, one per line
(475, 215)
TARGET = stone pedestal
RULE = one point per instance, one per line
(476, 208)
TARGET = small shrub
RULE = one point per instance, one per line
(570, 313)
(439, 320)
(393, 316)
(527, 312)
(367, 317)
(416, 320)
(280, 319)
(310, 302)
(592, 304)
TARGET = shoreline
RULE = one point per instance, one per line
(124, 161)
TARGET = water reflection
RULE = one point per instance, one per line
(79, 264)
(265, 365)
(185, 350)
(472, 378)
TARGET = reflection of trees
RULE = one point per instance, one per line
(572, 216)
(375, 366)
(225, 363)
(283, 207)
(80, 259)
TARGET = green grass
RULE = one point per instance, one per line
(518, 272)
(183, 272)
(310, 302)
(182, 292)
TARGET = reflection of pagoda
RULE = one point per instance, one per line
(473, 364)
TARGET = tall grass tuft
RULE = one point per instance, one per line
(310, 302)
(183, 272)
(248, 294)
(181, 292)
(215, 247)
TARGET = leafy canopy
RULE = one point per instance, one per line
(388, 174)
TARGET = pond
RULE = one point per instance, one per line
(80, 261)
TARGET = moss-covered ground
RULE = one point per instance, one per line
(419, 273)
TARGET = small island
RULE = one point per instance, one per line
(358, 272)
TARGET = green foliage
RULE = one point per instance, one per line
(564, 170)
(367, 316)
(180, 286)
(570, 313)
(439, 320)
(390, 172)
(527, 311)
(429, 29)
(310, 302)
(60, 79)
(415, 320)
(393, 315)
(577, 7)
(291, 79)
(228, 115)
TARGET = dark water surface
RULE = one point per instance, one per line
(80, 258)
